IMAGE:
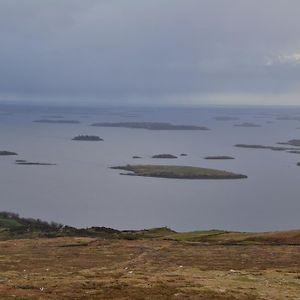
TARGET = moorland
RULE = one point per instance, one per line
(41, 260)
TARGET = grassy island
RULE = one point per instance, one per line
(151, 126)
(179, 172)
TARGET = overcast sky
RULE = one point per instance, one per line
(150, 51)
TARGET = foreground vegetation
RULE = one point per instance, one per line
(179, 172)
(12, 226)
(159, 263)
(89, 268)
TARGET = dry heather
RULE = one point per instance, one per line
(87, 268)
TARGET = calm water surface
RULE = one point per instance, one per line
(83, 191)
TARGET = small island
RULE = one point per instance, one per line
(57, 121)
(177, 172)
(92, 138)
(274, 148)
(247, 124)
(7, 153)
(183, 154)
(294, 142)
(28, 163)
(151, 126)
(219, 157)
(136, 157)
(168, 156)
(294, 151)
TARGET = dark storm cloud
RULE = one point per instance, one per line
(123, 49)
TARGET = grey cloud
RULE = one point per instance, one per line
(118, 49)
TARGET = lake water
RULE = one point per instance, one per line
(81, 190)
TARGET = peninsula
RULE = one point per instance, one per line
(151, 126)
(177, 172)
(92, 138)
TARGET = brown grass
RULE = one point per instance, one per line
(85, 268)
